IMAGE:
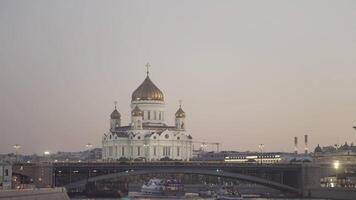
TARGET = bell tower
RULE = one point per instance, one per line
(180, 117)
(115, 119)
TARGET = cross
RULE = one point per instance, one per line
(147, 68)
(180, 103)
(115, 103)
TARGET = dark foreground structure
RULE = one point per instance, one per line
(302, 179)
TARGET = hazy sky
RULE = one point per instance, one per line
(248, 72)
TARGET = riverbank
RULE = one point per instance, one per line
(35, 194)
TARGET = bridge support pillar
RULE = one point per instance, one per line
(311, 175)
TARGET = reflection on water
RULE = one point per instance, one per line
(190, 198)
(128, 198)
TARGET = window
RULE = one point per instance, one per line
(154, 150)
(166, 136)
(149, 115)
(154, 137)
(122, 151)
(6, 172)
(110, 151)
(160, 115)
(131, 151)
(178, 150)
(115, 151)
(138, 151)
(166, 151)
(155, 115)
(139, 137)
(178, 138)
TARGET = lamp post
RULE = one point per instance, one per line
(336, 167)
(88, 146)
(261, 146)
(17, 147)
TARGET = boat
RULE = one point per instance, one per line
(206, 193)
(226, 193)
(154, 186)
(163, 187)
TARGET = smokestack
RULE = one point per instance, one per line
(296, 145)
(306, 144)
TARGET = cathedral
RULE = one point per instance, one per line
(147, 137)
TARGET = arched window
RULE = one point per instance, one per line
(166, 136)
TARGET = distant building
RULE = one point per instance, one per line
(344, 154)
(147, 137)
(251, 157)
(5, 175)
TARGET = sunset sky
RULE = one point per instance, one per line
(248, 72)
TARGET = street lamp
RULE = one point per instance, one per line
(261, 146)
(88, 146)
(17, 147)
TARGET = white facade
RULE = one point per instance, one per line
(147, 137)
(5, 176)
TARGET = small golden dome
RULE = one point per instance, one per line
(115, 114)
(180, 113)
(147, 91)
(136, 112)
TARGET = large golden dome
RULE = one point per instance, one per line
(147, 91)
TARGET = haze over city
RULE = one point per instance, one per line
(248, 72)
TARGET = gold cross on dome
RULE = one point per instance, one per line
(115, 103)
(147, 68)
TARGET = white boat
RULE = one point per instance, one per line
(154, 186)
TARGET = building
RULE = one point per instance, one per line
(147, 137)
(345, 154)
(251, 157)
(5, 175)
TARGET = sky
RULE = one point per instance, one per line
(248, 72)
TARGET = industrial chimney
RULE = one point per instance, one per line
(296, 145)
(306, 144)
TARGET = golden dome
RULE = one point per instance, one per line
(180, 113)
(147, 91)
(136, 112)
(115, 114)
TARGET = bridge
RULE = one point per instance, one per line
(289, 178)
